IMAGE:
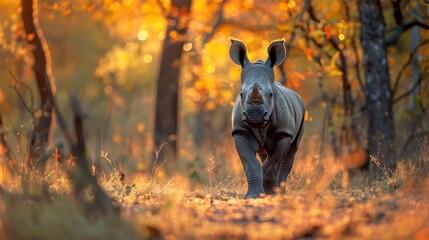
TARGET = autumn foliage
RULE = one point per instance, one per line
(80, 91)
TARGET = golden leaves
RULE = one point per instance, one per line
(309, 53)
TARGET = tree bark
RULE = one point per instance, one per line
(166, 115)
(5, 150)
(378, 93)
(45, 118)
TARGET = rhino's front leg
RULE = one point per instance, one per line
(273, 164)
(247, 148)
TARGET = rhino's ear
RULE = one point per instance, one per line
(238, 52)
(276, 53)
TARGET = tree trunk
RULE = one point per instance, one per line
(415, 64)
(381, 131)
(45, 118)
(166, 116)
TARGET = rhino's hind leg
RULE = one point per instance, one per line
(272, 164)
(286, 166)
(270, 174)
(247, 149)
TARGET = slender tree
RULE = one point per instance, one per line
(166, 115)
(45, 117)
(377, 90)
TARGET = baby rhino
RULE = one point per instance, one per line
(267, 119)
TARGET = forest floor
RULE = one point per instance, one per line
(149, 210)
(314, 206)
(330, 214)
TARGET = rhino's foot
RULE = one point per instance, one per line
(269, 188)
(270, 191)
(250, 195)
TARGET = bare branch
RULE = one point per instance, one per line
(398, 30)
(411, 90)
(162, 7)
(355, 51)
(414, 125)
(397, 13)
(21, 98)
(288, 46)
(216, 24)
(410, 58)
(348, 101)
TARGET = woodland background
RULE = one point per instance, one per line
(129, 89)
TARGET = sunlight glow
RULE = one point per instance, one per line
(210, 68)
(161, 35)
(119, 101)
(196, 97)
(142, 35)
(187, 47)
(108, 90)
(291, 4)
(116, 138)
(147, 58)
(335, 6)
(114, 6)
(127, 2)
(173, 34)
(140, 127)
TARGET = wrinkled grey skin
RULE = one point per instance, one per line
(267, 119)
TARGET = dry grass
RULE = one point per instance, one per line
(319, 203)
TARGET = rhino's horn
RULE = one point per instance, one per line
(255, 95)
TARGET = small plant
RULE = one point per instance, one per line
(155, 168)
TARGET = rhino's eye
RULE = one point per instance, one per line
(271, 95)
(241, 94)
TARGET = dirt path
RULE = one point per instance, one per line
(299, 215)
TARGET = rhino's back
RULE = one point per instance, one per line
(288, 111)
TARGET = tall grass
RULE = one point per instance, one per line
(321, 200)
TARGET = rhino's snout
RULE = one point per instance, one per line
(255, 117)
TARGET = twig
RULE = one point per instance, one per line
(411, 90)
(394, 37)
(21, 98)
(288, 46)
(397, 13)
(159, 167)
(348, 101)
(157, 150)
(414, 125)
(217, 23)
(162, 7)
(355, 51)
(409, 61)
